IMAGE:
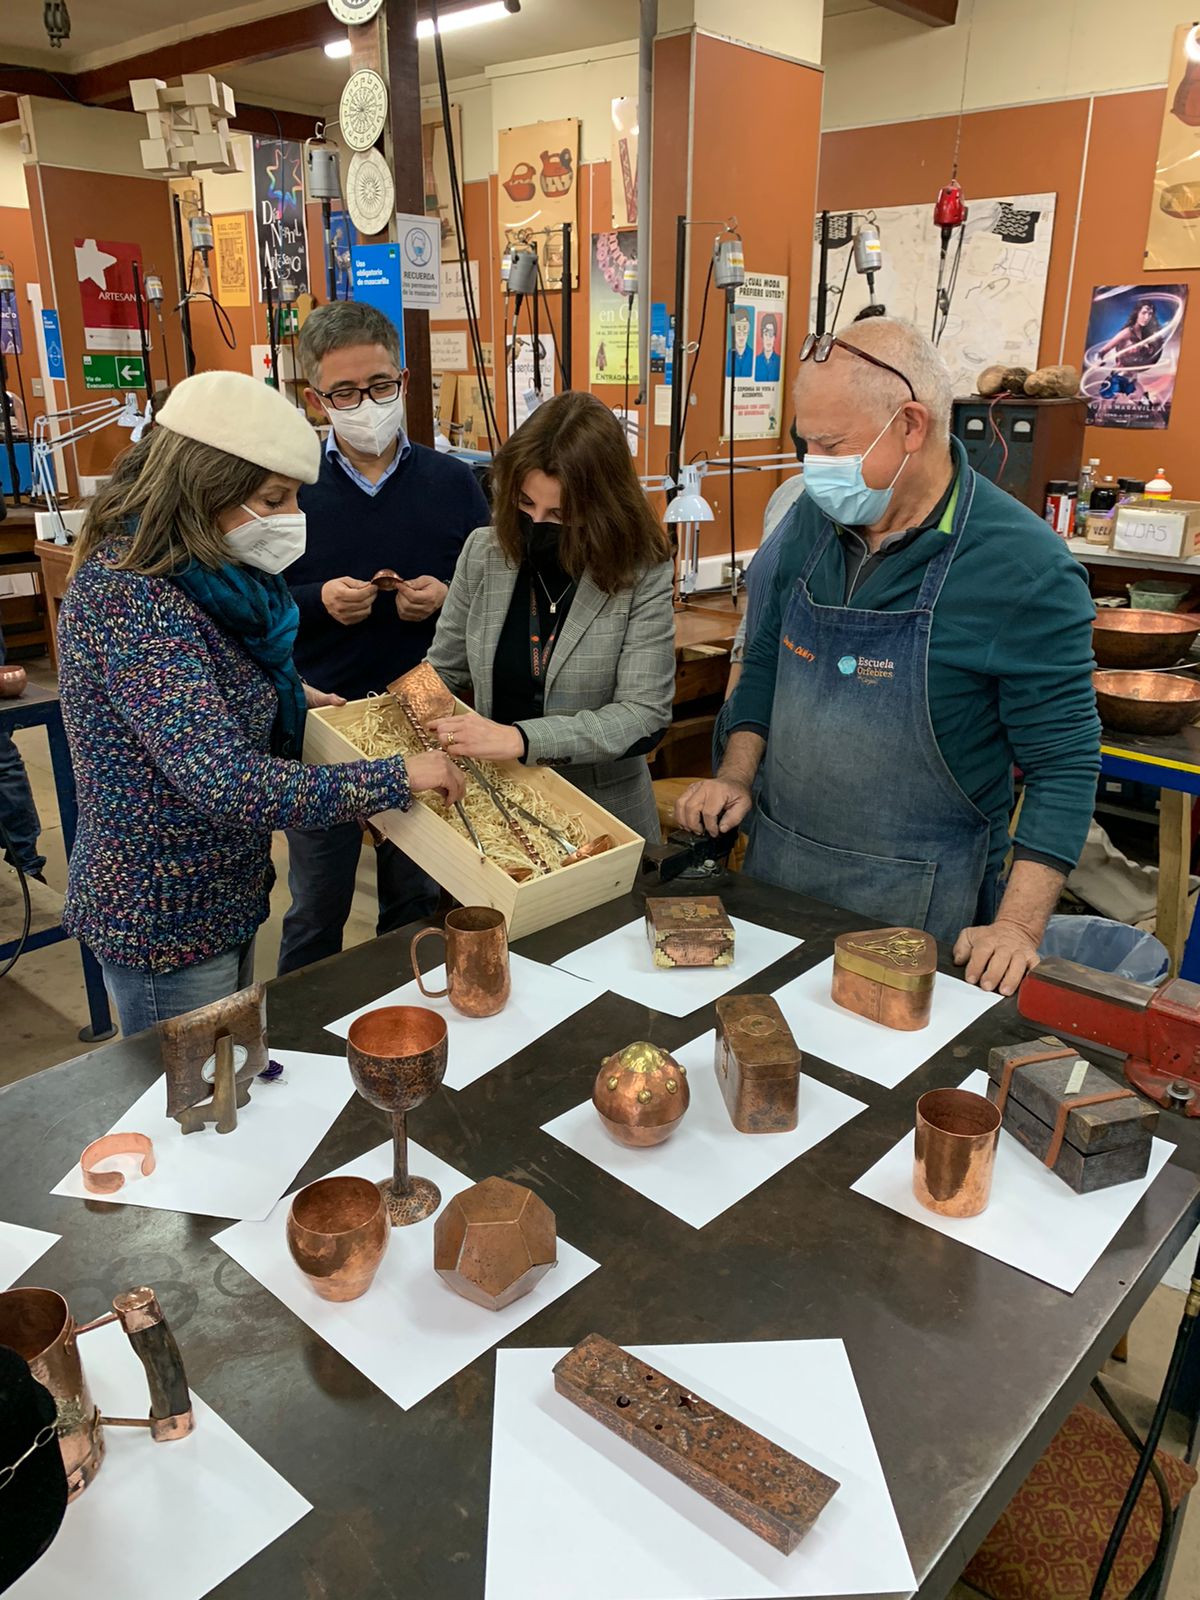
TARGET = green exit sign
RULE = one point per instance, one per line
(114, 372)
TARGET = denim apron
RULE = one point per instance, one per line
(852, 760)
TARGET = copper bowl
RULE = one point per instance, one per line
(1146, 702)
(337, 1232)
(12, 682)
(1131, 639)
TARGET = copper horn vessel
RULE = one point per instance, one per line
(38, 1325)
(397, 1057)
(337, 1233)
(955, 1151)
(477, 978)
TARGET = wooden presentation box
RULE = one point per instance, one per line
(453, 861)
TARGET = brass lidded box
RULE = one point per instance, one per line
(689, 931)
(886, 975)
(757, 1064)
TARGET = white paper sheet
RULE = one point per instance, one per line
(167, 1520)
(622, 962)
(562, 1483)
(541, 998)
(410, 1331)
(868, 1049)
(238, 1174)
(1034, 1222)
(20, 1248)
(706, 1165)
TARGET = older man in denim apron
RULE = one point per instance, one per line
(925, 632)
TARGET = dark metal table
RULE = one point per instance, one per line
(966, 1367)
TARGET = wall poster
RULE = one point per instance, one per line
(104, 268)
(1173, 234)
(232, 252)
(519, 352)
(539, 192)
(624, 162)
(453, 305)
(439, 200)
(280, 237)
(754, 346)
(613, 318)
(996, 306)
(1132, 354)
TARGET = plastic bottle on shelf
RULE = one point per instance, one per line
(1087, 482)
(1159, 487)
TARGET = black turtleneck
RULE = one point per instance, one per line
(516, 694)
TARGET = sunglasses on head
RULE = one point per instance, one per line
(818, 347)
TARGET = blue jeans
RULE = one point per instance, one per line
(17, 810)
(322, 865)
(141, 998)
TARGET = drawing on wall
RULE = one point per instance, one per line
(996, 312)
(612, 315)
(1134, 335)
(624, 163)
(439, 199)
(538, 192)
(1173, 233)
(232, 252)
(280, 235)
(753, 358)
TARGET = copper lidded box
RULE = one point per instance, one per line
(886, 975)
(757, 1064)
(689, 931)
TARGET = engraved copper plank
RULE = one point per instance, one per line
(759, 1484)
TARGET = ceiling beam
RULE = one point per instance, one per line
(933, 13)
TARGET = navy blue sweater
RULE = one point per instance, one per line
(416, 524)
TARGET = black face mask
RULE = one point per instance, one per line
(541, 538)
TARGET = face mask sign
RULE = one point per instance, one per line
(836, 484)
(269, 543)
(370, 427)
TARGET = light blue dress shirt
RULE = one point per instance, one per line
(404, 449)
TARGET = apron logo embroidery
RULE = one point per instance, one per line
(868, 668)
(797, 649)
(847, 665)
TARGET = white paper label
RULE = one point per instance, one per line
(1078, 1074)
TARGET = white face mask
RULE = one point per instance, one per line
(269, 543)
(370, 427)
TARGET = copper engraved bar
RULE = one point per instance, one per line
(759, 1484)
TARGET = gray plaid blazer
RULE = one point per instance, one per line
(610, 682)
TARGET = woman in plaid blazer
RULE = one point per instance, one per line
(559, 620)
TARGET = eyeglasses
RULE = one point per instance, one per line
(346, 397)
(818, 346)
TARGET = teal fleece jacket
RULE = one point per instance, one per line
(1010, 661)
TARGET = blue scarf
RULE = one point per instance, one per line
(257, 609)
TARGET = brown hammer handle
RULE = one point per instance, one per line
(154, 1345)
(430, 994)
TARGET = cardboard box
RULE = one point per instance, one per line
(1167, 528)
(452, 861)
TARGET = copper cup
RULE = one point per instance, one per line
(397, 1058)
(337, 1232)
(955, 1151)
(477, 979)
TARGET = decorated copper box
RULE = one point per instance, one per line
(886, 975)
(641, 1093)
(689, 931)
(757, 1064)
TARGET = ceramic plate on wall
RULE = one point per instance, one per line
(370, 192)
(354, 11)
(362, 110)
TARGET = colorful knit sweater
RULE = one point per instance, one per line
(169, 722)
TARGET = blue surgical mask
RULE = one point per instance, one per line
(837, 486)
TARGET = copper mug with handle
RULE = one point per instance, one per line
(477, 977)
(38, 1325)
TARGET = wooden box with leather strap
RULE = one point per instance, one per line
(1089, 1131)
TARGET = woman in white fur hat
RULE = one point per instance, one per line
(184, 711)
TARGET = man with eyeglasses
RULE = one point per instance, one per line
(923, 634)
(382, 505)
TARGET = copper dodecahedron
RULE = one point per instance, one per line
(494, 1242)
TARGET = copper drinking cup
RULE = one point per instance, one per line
(397, 1058)
(38, 1325)
(337, 1233)
(955, 1151)
(477, 977)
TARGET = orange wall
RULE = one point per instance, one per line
(1032, 149)
(16, 241)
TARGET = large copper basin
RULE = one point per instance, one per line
(1131, 639)
(1146, 702)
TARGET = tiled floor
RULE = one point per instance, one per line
(42, 1008)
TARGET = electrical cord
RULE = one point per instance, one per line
(558, 360)
(11, 851)
(490, 421)
(628, 330)
(733, 572)
(687, 394)
(512, 372)
(837, 310)
(1147, 1583)
(44, 72)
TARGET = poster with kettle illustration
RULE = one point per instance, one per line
(538, 192)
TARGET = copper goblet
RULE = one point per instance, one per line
(397, 1057)
(337, 1232)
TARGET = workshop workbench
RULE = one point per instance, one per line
(966, 1367)
(1171, 765)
